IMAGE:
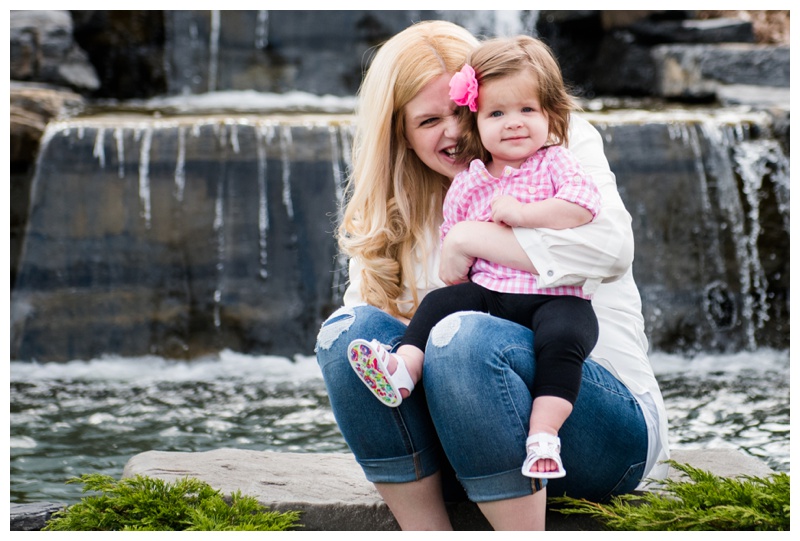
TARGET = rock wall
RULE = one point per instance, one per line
(179, 236)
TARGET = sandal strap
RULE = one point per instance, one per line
(545, 443)
(540, 446)
(401, 377)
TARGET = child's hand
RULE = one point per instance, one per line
(507, 210)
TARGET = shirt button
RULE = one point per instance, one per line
(531, 190)
(549, 273)
(576, 178)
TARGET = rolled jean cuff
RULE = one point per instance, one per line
(402, 469)
(501, 486)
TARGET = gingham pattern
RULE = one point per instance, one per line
(550, 172)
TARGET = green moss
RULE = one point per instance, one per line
(143, 503)
(703, 502)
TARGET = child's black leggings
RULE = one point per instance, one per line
(564, 329)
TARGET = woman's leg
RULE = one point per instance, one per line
(604, 440)
(396, 447)
(478, 374)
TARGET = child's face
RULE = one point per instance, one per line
(511, 122)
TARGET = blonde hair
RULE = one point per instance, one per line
(503, 57)
(393, 200)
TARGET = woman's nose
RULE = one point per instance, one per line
(451, 126)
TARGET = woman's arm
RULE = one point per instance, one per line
(486, 240)
(598, 252)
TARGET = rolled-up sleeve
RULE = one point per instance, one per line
(601, 251)
(352, 295)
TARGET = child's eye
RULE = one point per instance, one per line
(528, 109)
(496, 114)
(428, 121)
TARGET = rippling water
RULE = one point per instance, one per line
(68, 419)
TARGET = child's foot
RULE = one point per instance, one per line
(544, 459)
(370, 361)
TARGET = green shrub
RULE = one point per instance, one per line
(144, 503)
(703, 502)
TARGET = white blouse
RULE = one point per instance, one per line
(597, 256)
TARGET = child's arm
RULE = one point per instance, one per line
(576, 200)
(551, 213)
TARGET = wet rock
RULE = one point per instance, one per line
(126, 49)
(696, 71)
(32, 107)
(43, 50)
(32, 516)
(722, 30)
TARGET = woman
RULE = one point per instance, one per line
(475, 403)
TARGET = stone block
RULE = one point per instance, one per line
(695, 71)
(331, 492)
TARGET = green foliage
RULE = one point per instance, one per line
(144, 503)
(703, 502)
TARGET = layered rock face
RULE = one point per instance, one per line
(176, 234)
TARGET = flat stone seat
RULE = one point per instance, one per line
(331, 492)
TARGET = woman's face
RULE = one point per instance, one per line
(431, 127)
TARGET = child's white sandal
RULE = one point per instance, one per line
(540, 446)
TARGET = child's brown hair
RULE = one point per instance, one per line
(502, 57)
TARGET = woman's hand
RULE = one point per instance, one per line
(455, 263)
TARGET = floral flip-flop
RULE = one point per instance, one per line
(369, 360)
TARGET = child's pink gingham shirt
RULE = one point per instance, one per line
(550, 172)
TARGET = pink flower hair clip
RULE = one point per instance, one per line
(464, 88)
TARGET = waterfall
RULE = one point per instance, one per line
(223, 236)
(223, 232)
(702, 190)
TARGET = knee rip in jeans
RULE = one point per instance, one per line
(446, 329)
(334, 326)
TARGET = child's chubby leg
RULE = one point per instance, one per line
(391, 377)
(547, 416)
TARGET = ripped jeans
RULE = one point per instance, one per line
(470, 413)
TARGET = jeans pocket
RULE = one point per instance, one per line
(627, 482)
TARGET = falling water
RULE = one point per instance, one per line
(262, 30)
(99, 148)
(265, 135)
(144, 173)
(286, 144)
(180, 164)
(213, 51)
(341, 143)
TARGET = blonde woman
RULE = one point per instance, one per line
(468, 418)
(514, 120)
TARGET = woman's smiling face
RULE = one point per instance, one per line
(431, 127)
